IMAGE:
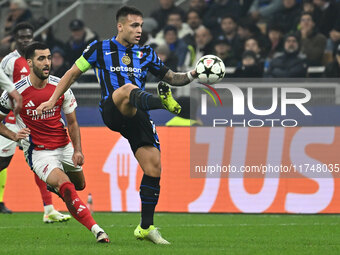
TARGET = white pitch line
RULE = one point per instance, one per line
(236, 225)
(204, 225)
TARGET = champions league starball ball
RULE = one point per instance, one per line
(210, 69)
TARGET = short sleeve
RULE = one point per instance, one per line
(156, 66)
(88, 58)
(70, 102)
(5, 82)
(5, 104)
(7, 65)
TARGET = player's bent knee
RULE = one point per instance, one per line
(153, 170)
(126, 89)
(80, 186)
(57, 178)
(122, 94)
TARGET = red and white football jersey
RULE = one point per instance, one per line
(16, 68)
(48, 130)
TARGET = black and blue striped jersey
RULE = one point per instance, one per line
(116, 65)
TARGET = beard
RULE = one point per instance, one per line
(39, 73)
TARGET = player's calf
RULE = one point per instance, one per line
(80, 212)
(149, 194)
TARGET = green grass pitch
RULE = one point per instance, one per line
(25, 233)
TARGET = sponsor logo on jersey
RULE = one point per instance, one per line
(125, 69)
(47, 114)
(109, 52)
(126, 60)
(30, 104)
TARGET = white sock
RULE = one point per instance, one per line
(48, 209)
(96, 229)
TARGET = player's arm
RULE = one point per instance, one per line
(6, 84)
(18, 101)
(179, 79)
(82, 64)
(74, 131)
(4, 131)
(5, 107)
(64, 84)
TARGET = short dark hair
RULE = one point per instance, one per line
(22, 25)
(32, 47)
(126, 10)
(309, 14)
(176, 12)
(230, 16)
(192, 10)
(170, 28)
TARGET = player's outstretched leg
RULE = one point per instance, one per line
(80, 212)
(146, 101)
(50, 214)
(168, 101)
(3, 178)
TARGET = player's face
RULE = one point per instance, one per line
(23, 38)
(41, 63)
(130, 29)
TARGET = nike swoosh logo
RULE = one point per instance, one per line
(109, 52)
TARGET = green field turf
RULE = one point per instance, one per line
(25, 233)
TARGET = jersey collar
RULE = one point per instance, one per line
(120, 46)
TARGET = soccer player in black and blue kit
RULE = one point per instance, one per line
(121, 67)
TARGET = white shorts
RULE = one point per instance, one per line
(42, 162)
(7, 146)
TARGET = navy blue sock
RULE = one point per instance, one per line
(144, 101)
(149, 193)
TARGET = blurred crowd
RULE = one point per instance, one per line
(254, 38)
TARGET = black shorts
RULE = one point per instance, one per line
(138, 130)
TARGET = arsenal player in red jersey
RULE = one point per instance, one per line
(47, 148)
(16, 68)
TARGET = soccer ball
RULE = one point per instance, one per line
(210, 69)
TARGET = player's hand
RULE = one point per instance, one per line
(78, 158)
(45, 106)
(22, 134)
(18, 101)
(194, 73)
